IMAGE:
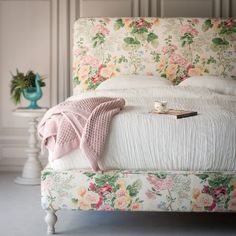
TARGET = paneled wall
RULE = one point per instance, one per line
(161, 8)
(36, 34)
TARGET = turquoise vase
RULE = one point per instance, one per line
(33, 94)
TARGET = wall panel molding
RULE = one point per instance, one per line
(217, 8)
(57, 83)
(226, 10)
(110, 8)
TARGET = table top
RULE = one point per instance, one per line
(25, 112)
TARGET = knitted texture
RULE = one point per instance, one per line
(79, 123)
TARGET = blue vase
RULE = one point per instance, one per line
(33, 94)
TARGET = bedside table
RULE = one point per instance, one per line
(32, 168)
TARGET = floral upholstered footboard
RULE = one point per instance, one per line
(139, 191)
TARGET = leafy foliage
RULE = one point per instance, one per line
(187, 39)
(220, 41)
(106, 179)
(151, 37)
(22, 81)
(119, 24)
(134, 188)
(130, 40)
(98, 39)
(45, 174)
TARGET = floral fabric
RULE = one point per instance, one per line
(174, 48)
(138, 191)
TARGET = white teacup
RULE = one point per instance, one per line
(160, 106)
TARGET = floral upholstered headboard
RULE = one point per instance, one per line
(174, 48)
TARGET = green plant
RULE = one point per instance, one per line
(22, 81)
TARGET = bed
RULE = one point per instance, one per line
(153, 162)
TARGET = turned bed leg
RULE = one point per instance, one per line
(50, 220)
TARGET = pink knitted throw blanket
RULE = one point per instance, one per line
(79, 123)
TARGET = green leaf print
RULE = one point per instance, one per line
(203, 176)
(151, 37)
(228, 31)
(76, 80)
(132, 41)
(220, 41)
(74, 200)
(98, 39)
(134, 188)
(219, 181)
(186, 39)
(45, 174)
(122, 59)
(207, 25)
(111, 180)
(139, 30)
(211, 60)
(119, 24)
(89, 174)
(156, 56)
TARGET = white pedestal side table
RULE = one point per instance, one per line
(32, 168)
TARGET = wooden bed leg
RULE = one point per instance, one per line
(50, 220)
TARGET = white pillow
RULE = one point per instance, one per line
(220, 85)
(133, 81)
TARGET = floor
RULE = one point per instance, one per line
(21, 215)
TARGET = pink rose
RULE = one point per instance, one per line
(177, 59)
(89, 60)
(164, 184)
(229, 23)
(96, 79)
(195, 21)
(106, 188)
(205, 189)
(106, 20)
(220, 190)
(188, 29)
(160, 184)
(165, 50)
(152, 179)
(99, 203)
(100, 29)
(170, 48)
(92, 187)
(136, 206)
(139, 23)
(150, 195)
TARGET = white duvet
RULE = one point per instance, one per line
(139, 140)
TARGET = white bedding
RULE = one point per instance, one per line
(139, 140)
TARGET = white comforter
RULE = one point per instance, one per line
(139, 140)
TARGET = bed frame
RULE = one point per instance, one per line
(175, 48)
